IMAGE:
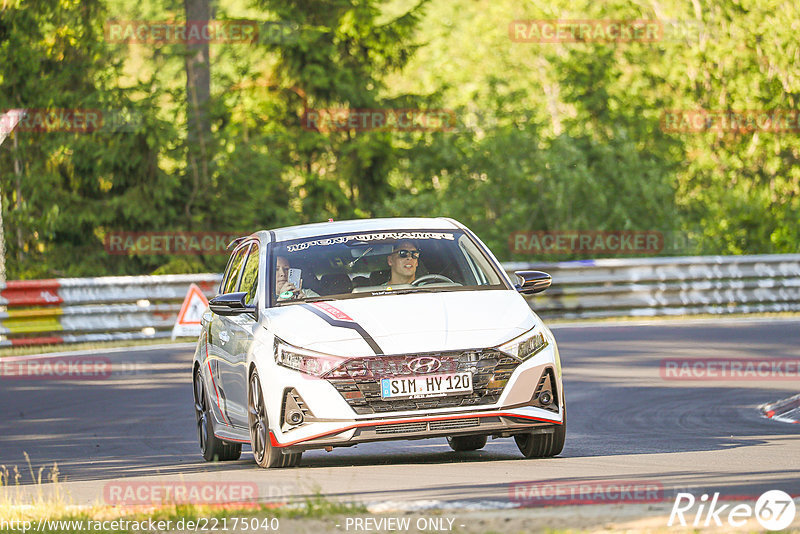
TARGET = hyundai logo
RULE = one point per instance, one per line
(425, 364)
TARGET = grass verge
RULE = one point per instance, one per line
(180, 517)
(48, 509)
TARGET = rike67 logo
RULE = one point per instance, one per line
(774, 510)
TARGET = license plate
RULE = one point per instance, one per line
(418, 387)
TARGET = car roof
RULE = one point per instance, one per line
(364, 225)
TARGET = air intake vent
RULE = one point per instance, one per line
(455, 423)
(401, 428)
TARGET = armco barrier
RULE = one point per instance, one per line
(668, 286)
(72, 310)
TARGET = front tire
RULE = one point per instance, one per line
(466, 443)
(213, 448)
(542, 445)
(265, 454)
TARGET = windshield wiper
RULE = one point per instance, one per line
(316, 299)
(302, 301)
(413, 290)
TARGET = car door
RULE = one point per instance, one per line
(220, 335)
(242, 329)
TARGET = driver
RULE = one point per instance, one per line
(403, 262)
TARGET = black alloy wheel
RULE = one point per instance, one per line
(213, 448)
(265, 454)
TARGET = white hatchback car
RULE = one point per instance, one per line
(327, 335)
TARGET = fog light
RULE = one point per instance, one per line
(295, 417)
(294, 411)
(545, 395)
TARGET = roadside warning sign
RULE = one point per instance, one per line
(8, 121)
(188, 322)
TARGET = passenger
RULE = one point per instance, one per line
(284, 289)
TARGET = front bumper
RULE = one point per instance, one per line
(508, 402)
(495, 423)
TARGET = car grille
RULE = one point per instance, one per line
(359, 380)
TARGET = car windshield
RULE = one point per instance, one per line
(377, 263)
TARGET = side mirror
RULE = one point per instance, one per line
(532, 282)
(229, 304)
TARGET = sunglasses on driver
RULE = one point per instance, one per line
(403, 253)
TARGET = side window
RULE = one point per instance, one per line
(250, 276)
(233, 271)
(224, 281)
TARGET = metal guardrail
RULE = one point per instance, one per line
(668, 286)
(70, 310)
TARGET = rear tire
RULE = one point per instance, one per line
(542, 445)
(466, 443)
(265, 454)
(213, 448)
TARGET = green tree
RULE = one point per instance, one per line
(74, 185)
(340, 59)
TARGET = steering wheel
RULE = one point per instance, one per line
(429, 278)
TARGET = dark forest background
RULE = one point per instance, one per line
(564, 136)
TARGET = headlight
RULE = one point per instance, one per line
(305, 361)
(526, 345)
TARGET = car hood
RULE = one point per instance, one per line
(401, 324)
